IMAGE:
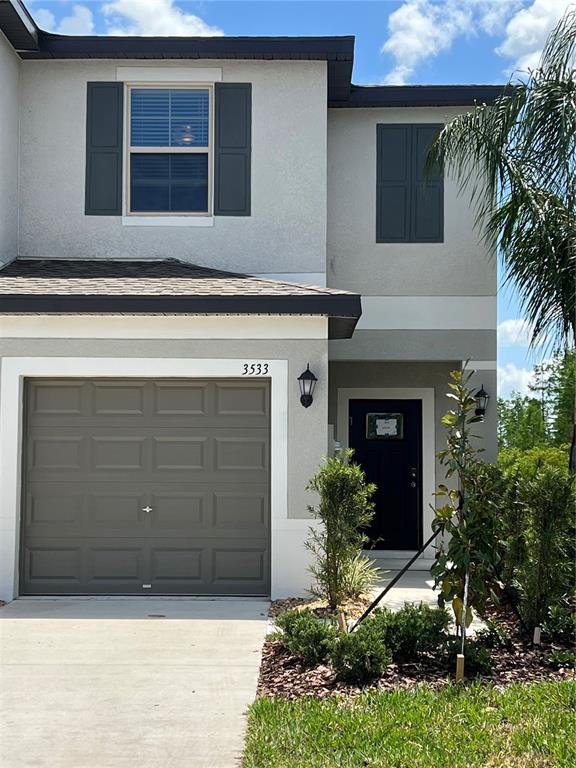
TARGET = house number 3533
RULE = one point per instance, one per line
(255, 369)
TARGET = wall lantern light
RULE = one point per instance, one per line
(307, 382)
(481, 398)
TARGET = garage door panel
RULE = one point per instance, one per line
(177, 452)
(47, 564)
(232, 565)
(117, 454)
(54, 399)
(178, 565)
(118, 399)
(181, 399)
(241, 511)
(47, 507)
(62, 452)
(113, 563)
(178, 510)
(142, 487)
(242, 400)
(242, 453)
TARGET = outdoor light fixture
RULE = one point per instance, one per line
(481, 398)
(307, 382)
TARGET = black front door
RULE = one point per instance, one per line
(386, 436)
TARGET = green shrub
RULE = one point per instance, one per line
(535, 528)
(493, 635)
(526, 463)
(477, 658)
(305, 636)
(360, 656)
(562, 659)
(412, 630)
(340, 571)
(547, 570)
(560, 624)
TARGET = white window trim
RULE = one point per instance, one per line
(168, 218)
(16, 369)
(426, 395)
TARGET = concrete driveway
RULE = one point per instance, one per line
(127, 683)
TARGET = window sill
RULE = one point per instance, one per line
(167, 221)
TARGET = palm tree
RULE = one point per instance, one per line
(517, 158)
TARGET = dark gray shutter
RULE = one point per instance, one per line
(104, 113)
(409, 207)
(233, 149)
(392, 183)
(427, 191)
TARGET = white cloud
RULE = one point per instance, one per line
(79, 22)
(154, 17)
(421, 29)
(514, 333)
(527, 30)
(517, 333)
(511, 379)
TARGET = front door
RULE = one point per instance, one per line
(386, 436)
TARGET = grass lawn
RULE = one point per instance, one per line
(525, 726)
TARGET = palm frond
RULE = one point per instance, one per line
(517, 160)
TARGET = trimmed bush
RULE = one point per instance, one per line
(305, 636)
(360, 656)
(412, 630)
(478, 659)
(339, 569)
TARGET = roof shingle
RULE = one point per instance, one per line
(82, 286)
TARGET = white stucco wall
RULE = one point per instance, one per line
(460, 266)
(9, 86)
(287, 229)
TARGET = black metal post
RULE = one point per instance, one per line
(394, 581)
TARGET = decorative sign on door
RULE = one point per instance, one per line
(384, 426)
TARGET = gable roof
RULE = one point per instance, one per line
(169, 286)
(30, 42)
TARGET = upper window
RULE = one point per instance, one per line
(169, 150)
(409, 202)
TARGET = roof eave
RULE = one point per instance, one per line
(343, 310)
(383, 96)
(18, 26)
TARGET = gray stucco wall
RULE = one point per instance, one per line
(287, 229)
(400, 375)
(9, 110)
(459, 266)
(413, 345)
(307, 431)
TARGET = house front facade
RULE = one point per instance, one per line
(187, 227)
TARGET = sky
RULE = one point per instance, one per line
(397, 41)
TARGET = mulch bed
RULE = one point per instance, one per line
(282, 675)
(352, 609)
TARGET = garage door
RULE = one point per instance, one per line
(146, 487)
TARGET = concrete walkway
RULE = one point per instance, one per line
(413, 587)
(128, 683)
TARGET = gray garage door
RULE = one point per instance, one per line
(146, 487)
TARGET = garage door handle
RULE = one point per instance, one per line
(147, 509)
